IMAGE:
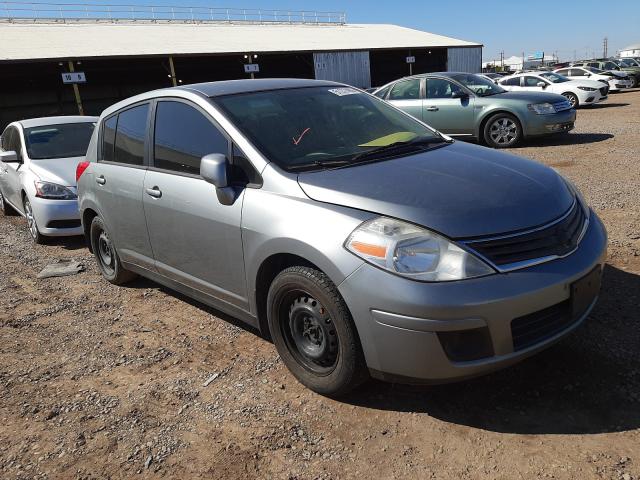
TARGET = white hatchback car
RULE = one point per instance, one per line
(578, 92)
(38, 160)
(615, 80)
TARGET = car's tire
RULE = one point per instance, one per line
(106, 255)
(502, 130)
(7, 210)
(314, 333)
(32, 225)
(634, 81)
(573, 99)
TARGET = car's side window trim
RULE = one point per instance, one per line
(145, 158)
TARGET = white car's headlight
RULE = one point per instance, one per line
(588, 89)
(542, 108)
(413, 252)
(53, 191)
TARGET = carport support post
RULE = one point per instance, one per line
(172, 68)
(76, 91)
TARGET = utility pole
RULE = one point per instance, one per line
(605, 47)
(502, 60)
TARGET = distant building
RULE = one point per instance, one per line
(631, 51)
(121, 55)
(515, 63)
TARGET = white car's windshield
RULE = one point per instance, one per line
(316, 127)
(58, 141)
(554, 77)
(482, 87)
(594, 70)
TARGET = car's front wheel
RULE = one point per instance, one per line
(502, 130)
(106, 255)
(573, 99)
(31, 223)
(314, 333)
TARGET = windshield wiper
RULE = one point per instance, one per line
(317, 163)
(398, 147)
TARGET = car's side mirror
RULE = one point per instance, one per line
(541, 85)
(588, 75)
(9, 156)
(459, 94)
(214, 169)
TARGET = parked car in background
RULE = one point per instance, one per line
(38, 162)
(616, 80)
(578, 92)
(364, 242)
(469, 105)
(608, 64)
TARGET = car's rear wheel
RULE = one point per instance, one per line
(502, 130)
(7, 210)
(32, 225)
(106, 255)
(314, 333)
(634, 81)
(573, 99)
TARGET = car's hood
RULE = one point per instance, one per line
(57, 170)
(526, 96)
(460, 190)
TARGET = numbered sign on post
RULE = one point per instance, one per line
(411, 59)
(74, 77)
(251, 68)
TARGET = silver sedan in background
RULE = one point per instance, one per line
(38, 161)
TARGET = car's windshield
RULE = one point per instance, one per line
(554, 77)
(58, 141)
(479, 85)
(611, 66)
(594, 70)
(627, 62)
(320, 125)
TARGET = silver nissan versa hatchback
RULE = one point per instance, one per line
(360, 240)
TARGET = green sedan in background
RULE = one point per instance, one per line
(468, 105)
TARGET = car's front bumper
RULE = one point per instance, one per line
(617, 85)
(57, 218)
(537, 125)
(400, 321)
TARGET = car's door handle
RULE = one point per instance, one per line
(101, 180)
(432, 109)
(154, 192)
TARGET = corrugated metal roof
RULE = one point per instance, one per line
(22, 41)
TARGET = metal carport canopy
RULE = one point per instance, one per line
(33, 41)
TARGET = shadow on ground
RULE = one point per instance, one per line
(588, 383)
(608, 105)
(564, 139)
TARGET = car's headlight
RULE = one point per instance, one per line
(413, 252)
(542, 108)
(603, 80)
(588, 89)
(53, 191)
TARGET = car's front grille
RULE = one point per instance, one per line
(541, 325)
(554, 240)
(562, 106)
(63, 224)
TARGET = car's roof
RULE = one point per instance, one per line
(44, 121)
(229, 87)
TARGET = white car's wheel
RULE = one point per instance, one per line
(573, 99)
(31, 223)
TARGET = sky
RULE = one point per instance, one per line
(567, 28)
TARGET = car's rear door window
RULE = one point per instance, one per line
(406, 90)
(183, 135)
(130, 134)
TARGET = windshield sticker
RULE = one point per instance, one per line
(343, 91)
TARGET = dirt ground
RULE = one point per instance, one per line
(98, 381)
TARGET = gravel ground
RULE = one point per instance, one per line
(98, 381)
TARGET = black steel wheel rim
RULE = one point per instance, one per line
(105, 253)
(309, 332)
